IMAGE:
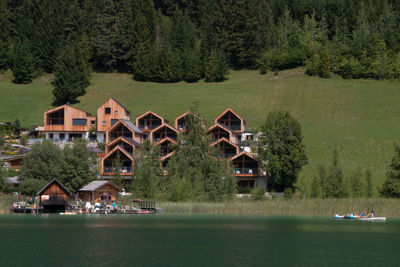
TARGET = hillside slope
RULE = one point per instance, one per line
(358, 117)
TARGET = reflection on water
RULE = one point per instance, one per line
(195, 240)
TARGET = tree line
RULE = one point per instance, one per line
(169, 41)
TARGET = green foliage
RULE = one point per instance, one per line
(23, 65)
(258, 193)
(147, 181)
(368, 183)
(216, 68)
(357, 186)
(193, 172)
(278, 59)
(74, 167)
(281, 148)
(16, 127)
(72, 75)
(391, 185)
(31, 186)
(78, 166)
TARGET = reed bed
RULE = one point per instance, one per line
(320, 207)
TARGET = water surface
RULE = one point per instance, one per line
(195, 240)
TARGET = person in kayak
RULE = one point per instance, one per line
(363, 213)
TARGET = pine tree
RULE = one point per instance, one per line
(72, 75)
(216, 68)
(324, 64)
(5, 36)
(193, 171)
(356, 184)
(147, 181)
(368, 183)
(23, 62)
(391, 185)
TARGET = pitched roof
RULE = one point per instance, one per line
(244, 153)
(132, 126)
(119, 103)
(51, 182)
(220, 125)
(148, 112)
(97, 184)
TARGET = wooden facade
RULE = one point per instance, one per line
(149, 121)
(67, 119)
(125, 129)
(109, 112)
(163, 131)
(231, 120)
(109, 162)
(15, 163)
(54, 196)
(218, 131)
(227, 149)
(100, 192)
(180, 122)
(246, 165)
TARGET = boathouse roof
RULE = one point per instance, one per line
(97, 184)
(54, 181)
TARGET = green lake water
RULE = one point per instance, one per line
(196, 240)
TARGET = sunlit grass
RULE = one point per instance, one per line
(358, 117)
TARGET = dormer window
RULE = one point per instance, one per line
(108, 110)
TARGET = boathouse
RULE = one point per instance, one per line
(100, 192)
(54, 197)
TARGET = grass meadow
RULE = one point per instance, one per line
(361, 118)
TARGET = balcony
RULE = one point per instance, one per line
(122, 171)
(146, 127)
(246, 171)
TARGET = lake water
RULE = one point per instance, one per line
(195, 240)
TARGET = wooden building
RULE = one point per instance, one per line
(231, 120)
(180, 122)
(100, 192)
(67, 123)
(108, 114)
(14, 162)
(54, 197)
(149, 121)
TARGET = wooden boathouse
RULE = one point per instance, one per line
(100, 192)
(54, 197)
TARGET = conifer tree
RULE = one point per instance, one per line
(147, 181)
(193, 171)
(72, 75)
(216, 67)
(23, 62)
(391, 185)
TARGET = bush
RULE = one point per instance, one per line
(258, 193)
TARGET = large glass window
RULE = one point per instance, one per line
(108, 110)
(79, 122)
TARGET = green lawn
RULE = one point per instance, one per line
(361, 118)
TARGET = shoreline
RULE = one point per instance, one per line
(307, 207)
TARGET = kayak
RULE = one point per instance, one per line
(377, 219)
(357, 217)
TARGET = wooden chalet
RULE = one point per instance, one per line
(100, 192)
(126, 129)
(67, 123)
(218, 131)
(161, 132)
(108, 114)
(180, 122)
(231, 120)
(54, 197)
(149, 121)
(165, 146)
(226, 148)
(109, 163)
(246, 165)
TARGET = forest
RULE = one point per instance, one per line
(170, 41)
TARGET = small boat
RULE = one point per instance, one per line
(376, 219)
(358, 217)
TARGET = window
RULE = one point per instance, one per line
(62, 136)
(51, 136)
(116, 112)
(93, 123)
(104, 123)
(108, 110)
(113, 121)
(79, 122)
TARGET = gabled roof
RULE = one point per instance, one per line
(52, 182)
(147, 113)
(121, 149)
(225, 140)
(228, 110)
(246, 154)
(181, 116)
(164, 125)
(125, 139)
(97, 184)
(165, 140)
(68, 106)
(128, 124)
(221, 126)
(119, 103)
(167, 156)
